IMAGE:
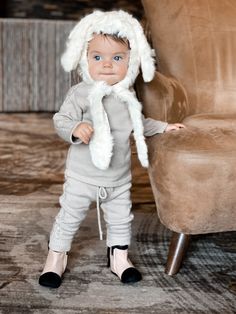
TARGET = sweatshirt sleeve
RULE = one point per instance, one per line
(68, 118)
(152, 127)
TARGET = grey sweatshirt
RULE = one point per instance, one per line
(74, 110)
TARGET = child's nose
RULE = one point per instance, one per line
(107, 63)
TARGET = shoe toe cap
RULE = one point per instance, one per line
(131, 275)
(50, 279)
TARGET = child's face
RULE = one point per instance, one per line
(108, 59)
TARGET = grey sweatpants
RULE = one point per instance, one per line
(75, 201)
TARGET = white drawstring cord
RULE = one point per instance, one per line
(101, 194)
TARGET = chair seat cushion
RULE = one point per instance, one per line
(193, 175)
(212, 120)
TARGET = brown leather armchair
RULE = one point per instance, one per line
(193, 170)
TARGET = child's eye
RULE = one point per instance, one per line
(97, 58)
(117, 58)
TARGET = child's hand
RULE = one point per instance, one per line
(173, 127)
(84, 132)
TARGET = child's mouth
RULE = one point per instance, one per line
(106, 73)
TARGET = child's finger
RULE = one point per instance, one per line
(85, 136)
(86, 132)
(90, 128)
(180, 125)
(84, 139)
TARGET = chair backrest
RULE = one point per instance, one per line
(195, 41)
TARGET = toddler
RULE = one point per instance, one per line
(97, 118)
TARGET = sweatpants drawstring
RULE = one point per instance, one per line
(101, 195)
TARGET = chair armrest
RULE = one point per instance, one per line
(164, 98)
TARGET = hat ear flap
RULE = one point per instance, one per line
(146, 54)
(77, 39)
(147, 64)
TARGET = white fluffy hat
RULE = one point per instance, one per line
(113, 22)
(123, 25)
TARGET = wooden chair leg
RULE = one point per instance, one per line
(177, 249)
